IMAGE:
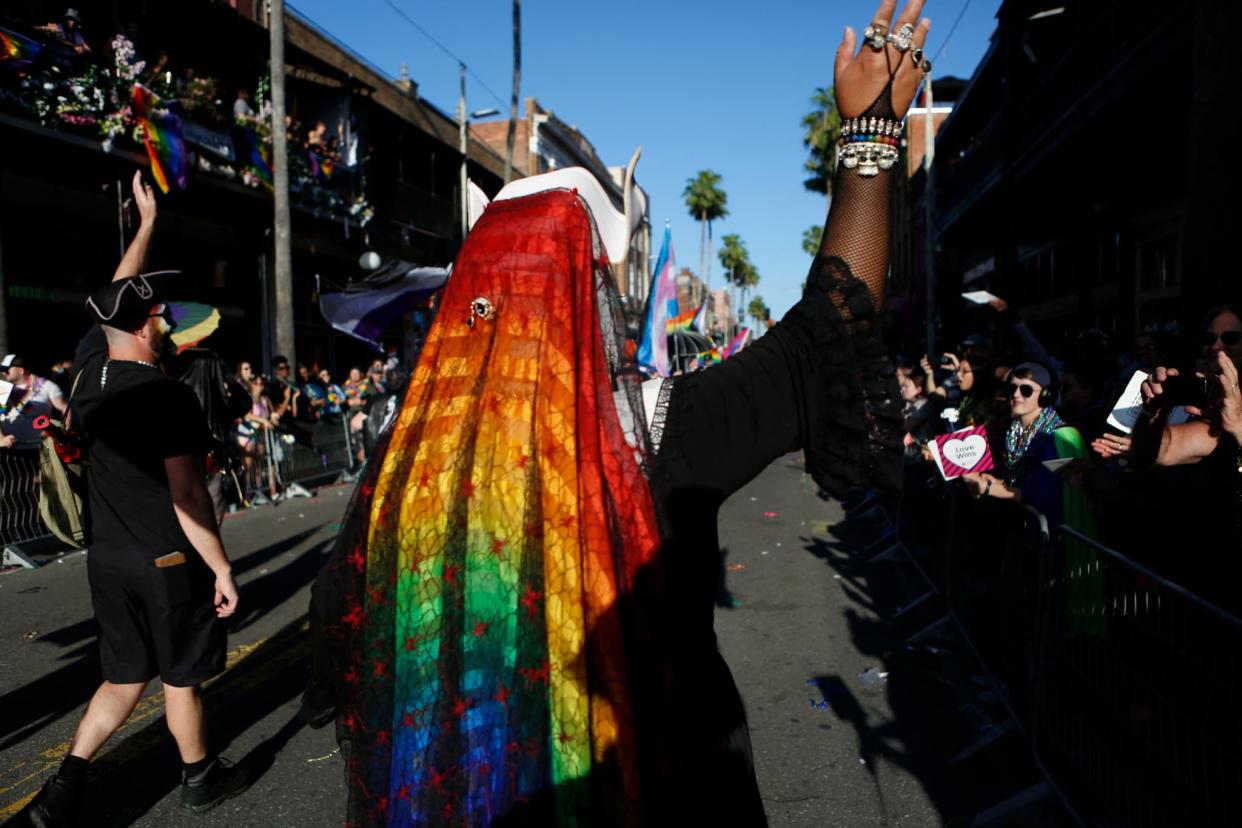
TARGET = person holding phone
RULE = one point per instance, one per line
(161, 583)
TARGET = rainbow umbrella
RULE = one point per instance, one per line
(195, 322)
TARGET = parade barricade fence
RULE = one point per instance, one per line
(1138, 720)
(1124, 684)
(19, 504)
(325, 451)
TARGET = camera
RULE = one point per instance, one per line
(1188, 389)
(946, 362)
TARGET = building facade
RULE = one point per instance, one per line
(1085, 174)
(372, 168)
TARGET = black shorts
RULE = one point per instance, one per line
(155, 621)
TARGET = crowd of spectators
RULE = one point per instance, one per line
(258, 418)
(1166, 492)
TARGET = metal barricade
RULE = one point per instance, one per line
(1137, 717)
(329, 455)
(19, 498)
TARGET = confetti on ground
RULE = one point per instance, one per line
(818, 527)
(764, 552)
(736, 567)
(822, 704)
(336, 527)
(334, 752)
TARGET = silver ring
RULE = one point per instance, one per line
(902, 38)
(874, 35)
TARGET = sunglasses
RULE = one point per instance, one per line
(167, 315)
(1228, 338)
(1028, 391)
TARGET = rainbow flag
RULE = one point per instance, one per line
(700, 319)
(321, 167)
(260, 159)
(682, 322)
(17, 48)
(165, 146)
(661, 307)
(739, 342)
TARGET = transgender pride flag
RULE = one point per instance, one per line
(661, 307)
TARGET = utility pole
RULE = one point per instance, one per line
(465, 149)
(280, 175)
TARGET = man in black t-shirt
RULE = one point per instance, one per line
(161, 583)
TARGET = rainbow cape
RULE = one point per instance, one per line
(165, 145)
(485, 561)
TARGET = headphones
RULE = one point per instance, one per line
(1047, 393)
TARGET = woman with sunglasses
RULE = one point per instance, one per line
(1036, 434)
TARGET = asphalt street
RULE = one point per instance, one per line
(849, 725)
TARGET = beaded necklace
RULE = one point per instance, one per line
(103, 377)
(1018, 439)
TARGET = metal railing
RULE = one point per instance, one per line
(327, 452)
(1122, 683)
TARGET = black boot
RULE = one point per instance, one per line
(222, 780)
(57, 805)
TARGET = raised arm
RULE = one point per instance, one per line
(135, 259)
(874, 88)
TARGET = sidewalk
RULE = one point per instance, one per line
(49, 668)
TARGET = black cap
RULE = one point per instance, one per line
(126, 303)
(12, 361)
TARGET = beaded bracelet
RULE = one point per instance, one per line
(869, 145)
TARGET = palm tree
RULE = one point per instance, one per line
(706, 203)
(748, 278)
(811, 238)
(734, 258)
(517, 75)
(822, 128)
(758, 310)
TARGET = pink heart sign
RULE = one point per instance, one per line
(962, 452)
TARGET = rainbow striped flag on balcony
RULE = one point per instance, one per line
(17, 50)
(165, 145)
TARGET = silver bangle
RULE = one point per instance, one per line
(867, 158)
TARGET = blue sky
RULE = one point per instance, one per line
(720, 85)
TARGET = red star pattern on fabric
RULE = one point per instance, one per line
(407, 720)
(503, 694)
(460, 707)
(410, 643)
(355, 617)
(450, 574)
(563, 737)
(480, 629)
(530, 600)
(437, 780)
(536, 675)
(467, 488)
(498, 546)
(358, 558)
(379, 669)
(523, 461)
(424, 480)
(403, 793)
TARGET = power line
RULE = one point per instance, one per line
(952, 29)
(456, 59)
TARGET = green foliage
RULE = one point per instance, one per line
(733, 254)
(704, 199)
(821, 129)
(811, 237)
(759, 310)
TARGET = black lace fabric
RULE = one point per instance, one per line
(862, 444)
